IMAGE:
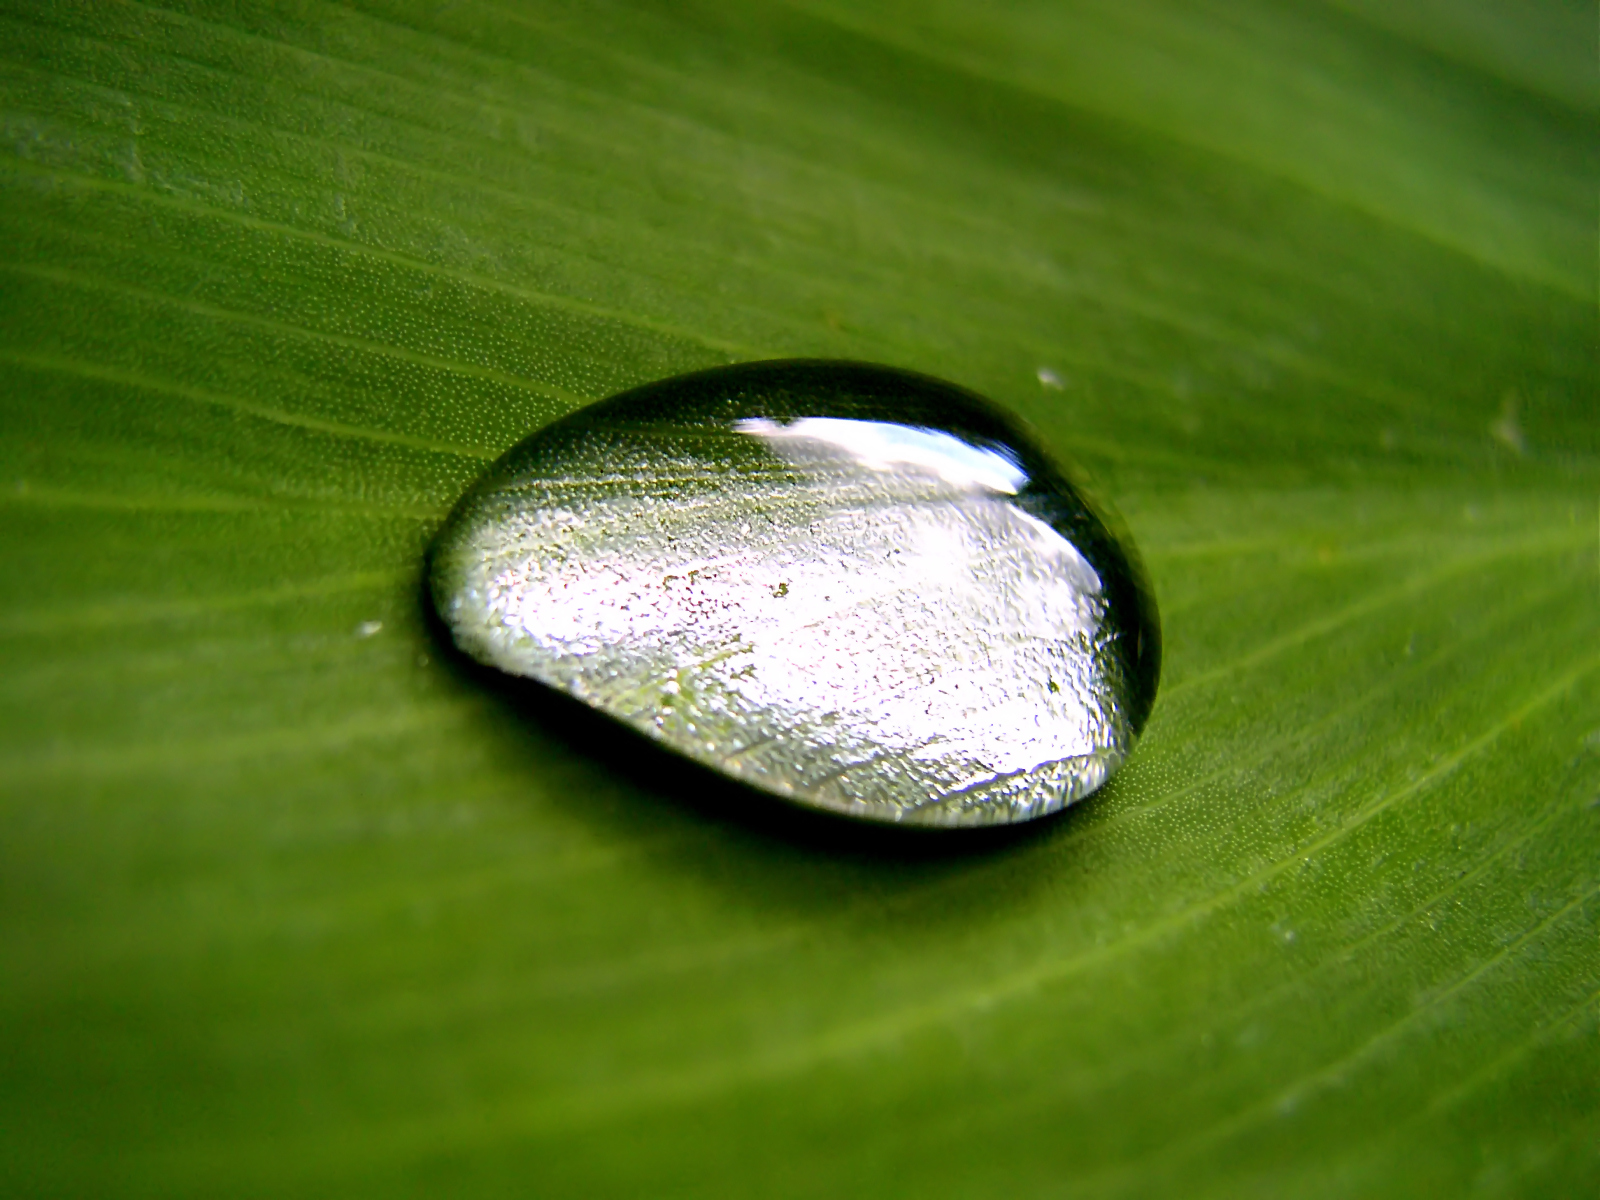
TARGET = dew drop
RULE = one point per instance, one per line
(856, 588)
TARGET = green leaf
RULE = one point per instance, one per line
(293, 905)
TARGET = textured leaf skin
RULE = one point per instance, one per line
(294, 904)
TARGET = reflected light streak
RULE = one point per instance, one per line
(888, 446)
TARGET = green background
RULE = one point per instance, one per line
(291, 905)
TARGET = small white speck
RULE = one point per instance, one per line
(367, 628)
(1049, 379)
(1505, 428)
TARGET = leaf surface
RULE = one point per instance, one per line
(293, 904)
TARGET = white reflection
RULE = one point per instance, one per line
(886, 631)
(887, 446)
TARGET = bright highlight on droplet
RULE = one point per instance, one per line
(886, 446)
(860, 589)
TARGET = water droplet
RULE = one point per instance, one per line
(856, 588)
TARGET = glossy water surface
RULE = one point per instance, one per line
(857, 588)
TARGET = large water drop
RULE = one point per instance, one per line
(857, 588)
